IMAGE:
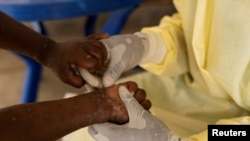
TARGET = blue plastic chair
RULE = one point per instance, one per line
(37, 11)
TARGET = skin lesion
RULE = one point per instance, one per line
(57, 118)
(119, 112)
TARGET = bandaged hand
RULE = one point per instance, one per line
(142, 125)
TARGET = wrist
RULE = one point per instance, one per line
(47, 50)
(154, 47)
(109, 106)
(104, 106)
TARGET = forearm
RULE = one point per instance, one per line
(15, 36)
(52, 119)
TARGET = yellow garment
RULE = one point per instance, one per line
(205, 75)
(206, 72)
(214, 41)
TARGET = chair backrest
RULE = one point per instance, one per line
(41, 10)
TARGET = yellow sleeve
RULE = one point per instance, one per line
(175, 62)
(217, 44)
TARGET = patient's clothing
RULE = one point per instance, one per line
(205, 74)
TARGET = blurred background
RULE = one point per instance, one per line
(12, 69)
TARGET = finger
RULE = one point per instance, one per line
(98, 52)
(135, 110)
(146, 104)
(73, 79)
(90, 79)
(98, 36)
(140, 95)
(112, 73)
(96, 49)
(131, 86)
(77, 81)
(67, 74)
(85, 60)
(101, 47)
(116, 66)
(128, 99)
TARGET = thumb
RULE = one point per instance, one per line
(92, 80)
(135, 110)
(75, 80)
(116, 65)
(112, 73)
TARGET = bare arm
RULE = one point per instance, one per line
(63, 58)
(51, 120)
(17, 37)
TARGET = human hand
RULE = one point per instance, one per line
(66, 58)
(124, 52)
(127, 51)
(142, 126)
(119, 112)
